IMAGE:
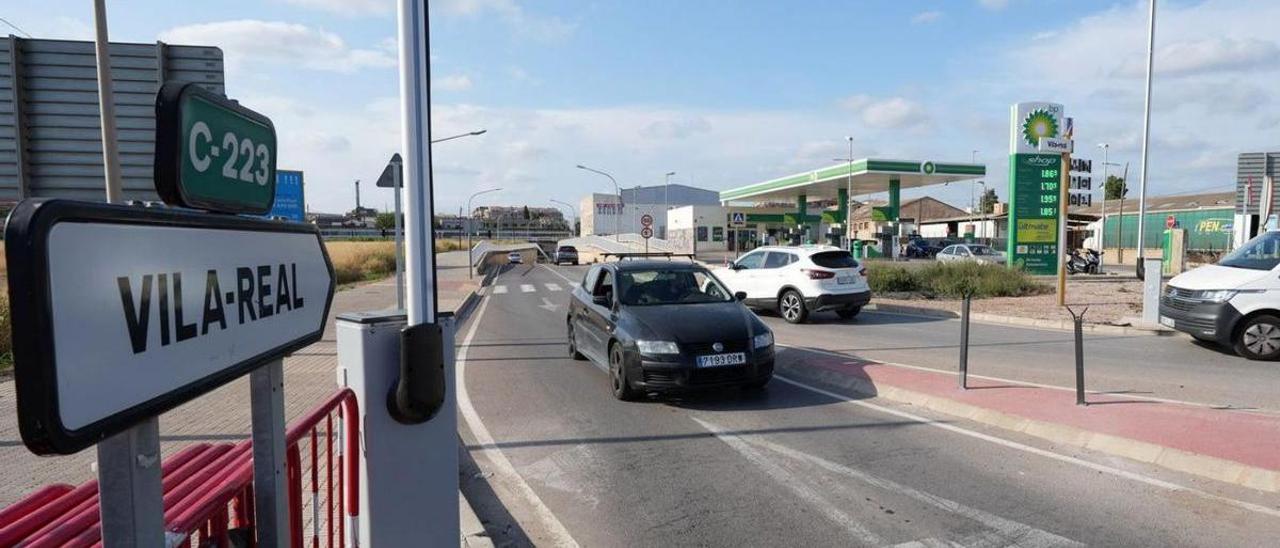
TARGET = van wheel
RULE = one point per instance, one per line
(1259, 338)
(791, 306)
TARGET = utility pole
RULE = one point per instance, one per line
(973, 159)
(1124, 191)
(1064, 180)
(1146, 136)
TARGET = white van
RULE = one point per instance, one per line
(1235, 303)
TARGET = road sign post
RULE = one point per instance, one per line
(646, 232)
(390, 178)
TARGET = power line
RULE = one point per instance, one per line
(15, 27)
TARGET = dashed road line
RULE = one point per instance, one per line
(527, 288)
(499, 289)
(552, 287)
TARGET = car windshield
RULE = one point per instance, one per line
(656, 287)
(1260, 253)
(981, 250)
(566, 249)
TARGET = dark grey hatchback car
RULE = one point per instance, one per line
(664, 326)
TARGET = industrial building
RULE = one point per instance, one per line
(602, 215)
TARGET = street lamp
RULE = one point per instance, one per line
(666, 203)
(848, 218)
(983, 211)
(572, 211)
(1147, 315)
(470, 226)
(617, 227)
(1102, 239)
(459, 136)
(973, 159)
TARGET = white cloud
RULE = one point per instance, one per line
(523, 23)
(888, 113)
(994, 4)
(251, 41)
(677, 127)
(454, 82)
(1199, 56)
(348, 7)
(926, 17)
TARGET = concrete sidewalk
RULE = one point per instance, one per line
(1233, 446)
(222, 415)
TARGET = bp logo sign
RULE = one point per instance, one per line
(1031, 122)
(1039, 124)
(928, 168)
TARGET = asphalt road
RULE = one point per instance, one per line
(793, 465)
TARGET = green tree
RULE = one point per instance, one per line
(385, 221)
(1115, 187)
(989, 201)
(526, 213)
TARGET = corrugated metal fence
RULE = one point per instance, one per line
(50, 132)
(1207, 229)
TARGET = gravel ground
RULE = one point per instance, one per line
(1110, 301)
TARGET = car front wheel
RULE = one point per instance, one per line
(791, 306)
(573, 346)
(1259, 338)
(618, 375)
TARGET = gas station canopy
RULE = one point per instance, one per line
(869, 176)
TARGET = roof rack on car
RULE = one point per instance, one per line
(622, 256)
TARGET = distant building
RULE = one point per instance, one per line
(603, 215)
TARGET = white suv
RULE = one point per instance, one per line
(797, 280)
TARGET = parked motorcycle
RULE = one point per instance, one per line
(1087, 263)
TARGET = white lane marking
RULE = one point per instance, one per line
(503, 467)
(1037, 451)
(1014, 533)
(796, 484)
(527, 288)
(499, 289)
(548, 305)
(557, 273)
(552, 287)
(1220, 407)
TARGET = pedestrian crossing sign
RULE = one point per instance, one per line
(738, 218)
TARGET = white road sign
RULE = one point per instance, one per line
(1049, 144)
(124, 312)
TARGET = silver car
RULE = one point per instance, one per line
(970, 252)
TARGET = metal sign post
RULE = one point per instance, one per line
(266, 393)
(390, 178)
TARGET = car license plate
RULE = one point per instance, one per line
(844, 280)
(718, 360)
(1166, 321)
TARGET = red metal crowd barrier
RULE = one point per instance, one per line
(208, 492)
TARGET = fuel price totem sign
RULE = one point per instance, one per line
(1033, 188)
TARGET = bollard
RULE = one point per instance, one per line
(1078, 319)
(964, 341)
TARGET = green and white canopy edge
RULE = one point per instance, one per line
(870, 175)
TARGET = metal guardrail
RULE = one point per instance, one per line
(208, 492)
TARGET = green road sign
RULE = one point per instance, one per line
(212, 153)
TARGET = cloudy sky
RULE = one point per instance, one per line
(722, 93)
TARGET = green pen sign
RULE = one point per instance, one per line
(212, 153)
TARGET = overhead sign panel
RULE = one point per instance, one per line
(121, 313)
(212, 153)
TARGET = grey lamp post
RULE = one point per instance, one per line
(470, 225)
(572, 211)
(459, 136)
(666, 203)
(617, 227)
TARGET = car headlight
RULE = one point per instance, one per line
(1217, 295)
(763, 340)
(657, 347)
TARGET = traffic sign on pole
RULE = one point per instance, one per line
(123, 312)
(211, 153)
(738, 219)
(646, 220)
(646, 233)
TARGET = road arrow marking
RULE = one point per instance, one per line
(548, 305)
